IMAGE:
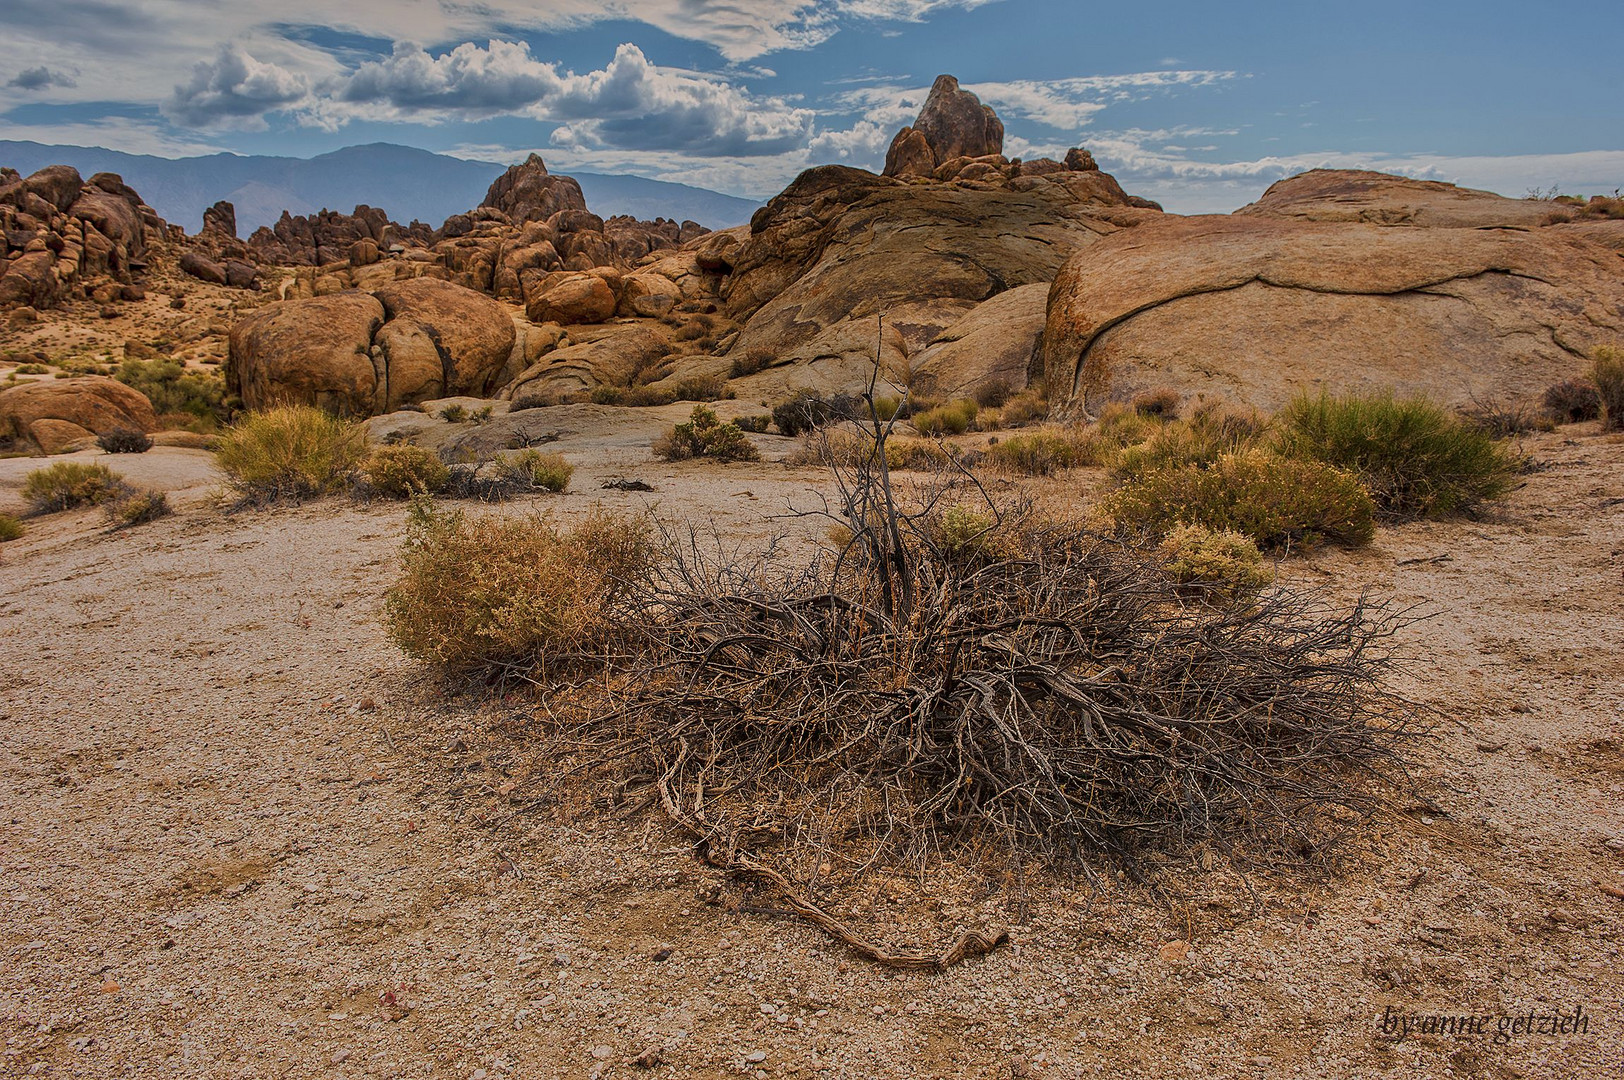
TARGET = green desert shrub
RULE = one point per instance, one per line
(495, 591)
(1278, 502)
(123, 440)
(401, 470)
(954, 418)
(70, 484)
(290, 452)
(847, 447)
(1222, 562)
(137, 507)
(454, 414)
(538, 470)
(1200, 441)
(1045, 451)
(1416, 458)
(756, 425)
(705, 436)
(1607, 374)
(172, 388)
(10, 527)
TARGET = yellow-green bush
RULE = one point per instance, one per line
(290, 452)
(137, 508)
(705, 436)
(1278, 502)
(492, 591)
(536, 469)
(69, 484)
(1221, 561)
(954, 418)
(1416, 458)
(1045, 451)
(10, 528)
(1607, 373)
(403, 470)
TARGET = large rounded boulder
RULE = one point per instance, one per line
(308, 352)
(473, 332)
(1256, 307)
(360, 354)
(36, 412)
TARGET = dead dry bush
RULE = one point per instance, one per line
(964, 679)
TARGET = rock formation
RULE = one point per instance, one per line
(1455, 295)
(842, 245)
(528, 192)
(359, 354)
(55, 414)
(953, 124)
(62, 236)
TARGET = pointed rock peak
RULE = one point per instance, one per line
(534, 162)
(528, 192)
(953, 124)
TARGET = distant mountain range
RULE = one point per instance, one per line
(405, 182)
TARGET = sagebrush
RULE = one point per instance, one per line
(290, 452)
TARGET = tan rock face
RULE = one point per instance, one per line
(839, 243)
(358, 354)
(610, 360)
(91, 402)
(59, 436)
(572, 299)
(840, 359)
(1254, 307)
(308, 352)
(1343, 195)
(474, 333)
(996, 342)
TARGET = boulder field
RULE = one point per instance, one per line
(957, 269)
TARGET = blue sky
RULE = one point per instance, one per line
(1200, 105)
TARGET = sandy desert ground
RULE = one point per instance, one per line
(242, 835)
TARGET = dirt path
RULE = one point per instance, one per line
(240, 835)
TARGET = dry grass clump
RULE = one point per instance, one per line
(749, 363)
(1416, 458)
(1161, 403)
(705, 436)
(1019, 410)
(137, 507)
(1502, 419)
(1607, 374)
(402, 470)
(290, 452)
(1046, 451)
(123, 440)
(70, 484)
(512, 593)
(1572, 401)
(1279, 502)
(1222, 563)
(10, 528)
(636, 397)
(847, 447)
(954, 418)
